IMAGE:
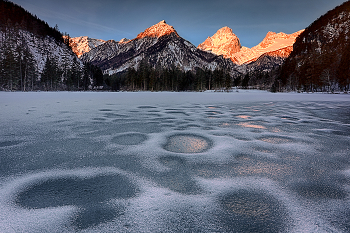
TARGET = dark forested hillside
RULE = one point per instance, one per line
(34, 56)
(320, 58)
(12, 15)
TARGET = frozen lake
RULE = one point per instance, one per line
(247, 161)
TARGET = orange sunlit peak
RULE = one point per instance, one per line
(158, 30)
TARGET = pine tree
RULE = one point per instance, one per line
(46, 73)
(75, 75)
(9, 67)
(343, 71)
(228, 81)
(50, 74)
(27, 66)
(245, 81)
(130, 78)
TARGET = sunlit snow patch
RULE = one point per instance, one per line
(275, 139)
(187, 143)
(249, 125)
(243, 116)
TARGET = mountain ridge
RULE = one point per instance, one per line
(159, 44)
(83, 44)
(273, 42)
(223, 43)
(158, 30)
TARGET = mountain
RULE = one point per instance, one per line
(224, 42)
(32, 54)
(280, 44)
(159, 45)
(321, 54)
(268, 61)
(83, 44)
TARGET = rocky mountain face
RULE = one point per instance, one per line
(43, 48)
(321, 54)
(159, 45)
(268, 54)
(83, 44)
(269, 60)
(280, 44)
(223, 42)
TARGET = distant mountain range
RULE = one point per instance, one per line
(159, 45)
(223, 43)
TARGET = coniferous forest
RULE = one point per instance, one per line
(30, 60)
(147, 78)
(320, 60)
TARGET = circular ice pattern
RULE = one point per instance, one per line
(187, 143)
(319, 190)
(90, 195)
(250, 211)
(63, 191)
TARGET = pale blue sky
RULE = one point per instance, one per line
(195, 20)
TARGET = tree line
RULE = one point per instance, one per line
(148, 78)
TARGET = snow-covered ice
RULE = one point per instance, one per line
(247, 161)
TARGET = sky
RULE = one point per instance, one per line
(194, 20)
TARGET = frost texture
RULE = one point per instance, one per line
(243, 161)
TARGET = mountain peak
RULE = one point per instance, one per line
(124, 41)
(224, 30)
(279, 39)
(270, 34)
(158, 30)
(223, 42)
(83, 44)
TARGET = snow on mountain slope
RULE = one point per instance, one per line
(43, 47)
(273, 42)
(225, 43)
(267, 61)
(159, 44)
(158, 30)
(84, 44)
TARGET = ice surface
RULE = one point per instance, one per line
(187, 143)
(247, 161)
